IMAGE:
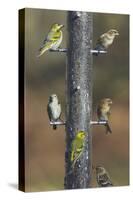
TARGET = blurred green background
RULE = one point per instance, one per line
(44, 147)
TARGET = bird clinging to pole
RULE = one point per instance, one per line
(102, 177)
(54, 109)
(105, 40)
(77, 147)
(103, 112)
(52, 40)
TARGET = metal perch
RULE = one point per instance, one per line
(58, 50)
(91, 122)
(58, 123)
(93, 51)
(98, 122)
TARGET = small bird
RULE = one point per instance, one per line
(54, 109)
(53, 39)
(103, 112)
(105, 40)
(102, 177)
(77, 147)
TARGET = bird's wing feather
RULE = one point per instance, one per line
(49, 111)
(77, 149)
(105, 180)
(100, 39)
(99, 111)
(54, 36)
(50, 41)
(102, 36)
(60, 109)
(109, 113)
(46, 45)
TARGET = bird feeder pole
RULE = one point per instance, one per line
(79, 97)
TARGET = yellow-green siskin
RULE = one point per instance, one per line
(53, 39)
(103, 112)
(106, 39)
(102, 177)
(77, 147)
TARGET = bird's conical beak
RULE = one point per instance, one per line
(61, 26)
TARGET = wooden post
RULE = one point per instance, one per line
(79, 97)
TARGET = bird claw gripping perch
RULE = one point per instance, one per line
(104, 42)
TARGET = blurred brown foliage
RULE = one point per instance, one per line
(45, 147)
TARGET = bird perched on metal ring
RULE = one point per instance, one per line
(103, 112)
(53, 39)
(105, 40)
(77, 147)
(54, 109)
